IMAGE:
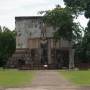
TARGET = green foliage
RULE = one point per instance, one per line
(62, 21)
(7, 44)
(83, 47)
(78, 6)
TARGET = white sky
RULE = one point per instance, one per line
(11, 8)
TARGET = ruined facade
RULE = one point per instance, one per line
(35, 45)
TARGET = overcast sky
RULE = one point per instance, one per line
(11, 8)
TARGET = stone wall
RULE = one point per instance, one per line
(28, 28)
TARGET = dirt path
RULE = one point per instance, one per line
(52, 80)
(48, 80)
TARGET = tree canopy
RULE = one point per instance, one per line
(63, 23)
(79, 6)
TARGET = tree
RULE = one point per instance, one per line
(62, 21)
(79, 6)
(7, 44)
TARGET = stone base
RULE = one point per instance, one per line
(31, 59)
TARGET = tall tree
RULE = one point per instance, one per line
(79, 6)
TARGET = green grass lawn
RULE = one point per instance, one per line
(78, 77)
(15, 78)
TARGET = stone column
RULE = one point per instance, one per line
(49, 52)
(71, 58)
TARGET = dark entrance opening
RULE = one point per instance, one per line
(21, 63)
(62, 57)
(44, 53)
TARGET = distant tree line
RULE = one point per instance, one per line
(7, 44)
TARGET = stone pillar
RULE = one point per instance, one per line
(71, 58)
(49, 52)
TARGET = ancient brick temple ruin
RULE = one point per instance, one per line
(35, 46)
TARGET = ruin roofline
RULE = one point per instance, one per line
(27, 17)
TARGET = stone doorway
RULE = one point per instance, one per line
(21, 63)
(62, 58)
(44, 52)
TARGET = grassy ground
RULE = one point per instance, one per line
(15, 78)
(78, 77)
